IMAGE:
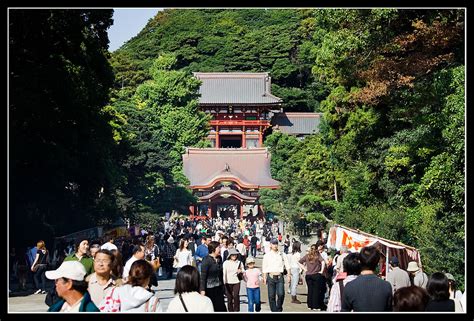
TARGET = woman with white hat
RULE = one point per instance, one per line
(231, 268)
(417, 276)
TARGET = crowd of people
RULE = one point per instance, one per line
(214, 258)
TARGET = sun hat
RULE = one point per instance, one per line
(450, 276)
(274, 241)
(232, 252)
(249, 260)
(170, 239)
(73, 270)
(413, 266)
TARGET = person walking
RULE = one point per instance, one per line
(102, 279)
(296, 268)
(351, 266)
(367, 293)
(417, 276)
(315, 266)
(169, 251)
(138, 253)
(71, 288)
(230, 270)
(253, 245)
(252, 276)
(273, 266)
(39, 266)
(187, 297)
(411, 298)
(212, 284)
(183, 256)
(397, 277)
(109, 245)
(286, 244)
(202, 251)
(438, 289)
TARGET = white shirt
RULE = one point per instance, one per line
(229, 271)
(108, 246)
(71, 308)
(293, 260)
(184, 257)
(194, 302)
(273, 262)
(126, 268)
(241, 248)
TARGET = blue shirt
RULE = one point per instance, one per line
(201, 252)
(32, 255)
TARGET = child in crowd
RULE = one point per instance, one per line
(253, 276)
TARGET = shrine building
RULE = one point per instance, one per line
(227, 177)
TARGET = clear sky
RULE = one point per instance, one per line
(128, 22)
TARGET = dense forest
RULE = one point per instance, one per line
(97, 135)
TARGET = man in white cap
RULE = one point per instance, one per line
(419, 277)
(71, 288)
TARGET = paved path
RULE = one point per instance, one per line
(26, 302)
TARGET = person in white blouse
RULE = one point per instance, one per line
(231, 267)
(295, 268)
(187, 297)
(183, 255)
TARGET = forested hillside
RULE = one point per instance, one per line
(390, 156)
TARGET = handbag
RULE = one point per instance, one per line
(156, 264)
(240, 275)
(175, 262)
(155, 303)
(182, 301)
(36, 266)
(300, 280)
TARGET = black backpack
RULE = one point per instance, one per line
(51, 297)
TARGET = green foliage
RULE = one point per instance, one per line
(63, 164)
(162, 118)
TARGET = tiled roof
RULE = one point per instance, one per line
(251, 167)
(236, 88)
(296, 123)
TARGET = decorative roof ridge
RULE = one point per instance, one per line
(195, 150)
(231, 74)
(297, 114)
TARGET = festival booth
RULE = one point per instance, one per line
(355, 240)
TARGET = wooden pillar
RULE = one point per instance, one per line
(260, 137)
(217, 137)
(191, 211)
(244, 143)
(209, 211)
